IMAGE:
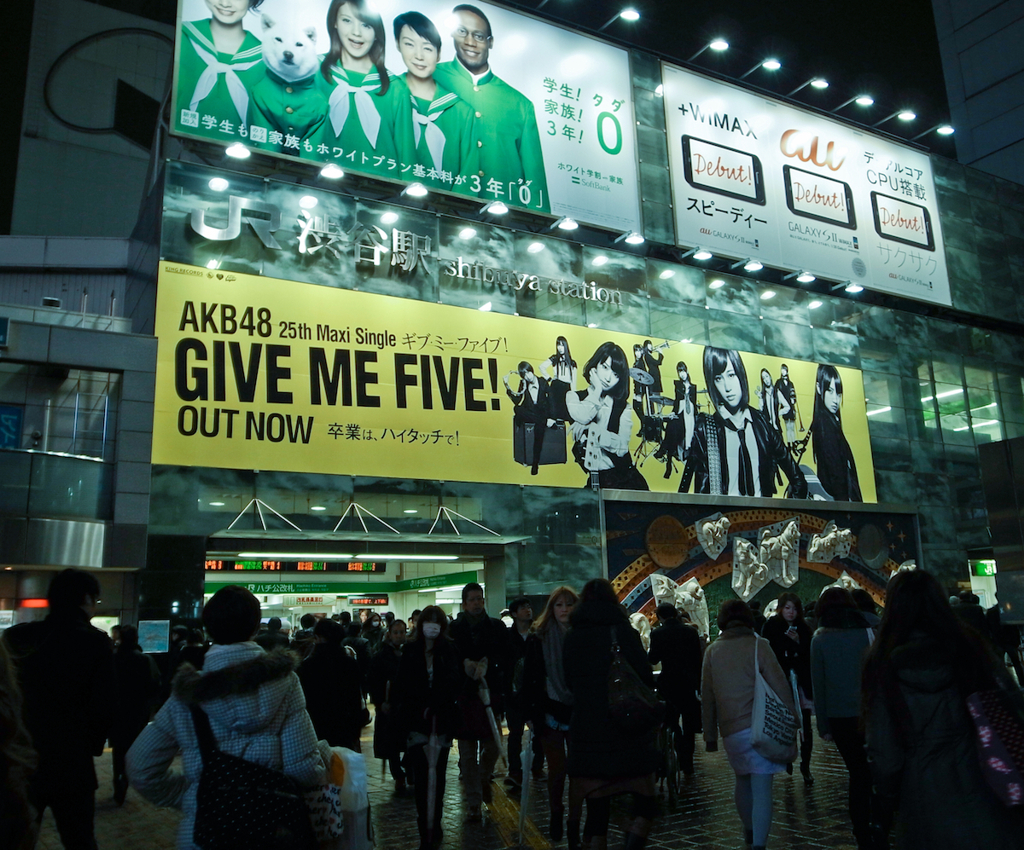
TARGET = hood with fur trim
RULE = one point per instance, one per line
(241, 687)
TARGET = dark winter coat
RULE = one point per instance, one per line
(474, 639)
(677, 647)
(792, 655)
(420, 700)
(333, 687)
(138, 684)
(388, 739)
(597, 748)
(66, 671)
(931, 771)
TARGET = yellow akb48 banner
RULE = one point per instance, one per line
(258, 373)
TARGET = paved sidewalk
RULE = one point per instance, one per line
(703, 816)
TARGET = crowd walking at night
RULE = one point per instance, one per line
(576, 703)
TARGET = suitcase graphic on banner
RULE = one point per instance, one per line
(552, 450)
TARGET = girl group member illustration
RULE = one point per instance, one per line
(735, 451)
(532, 403)
(833, 458)
(560, 370)
(680, 425)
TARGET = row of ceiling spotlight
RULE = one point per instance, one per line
(567, 224)
(772, 64)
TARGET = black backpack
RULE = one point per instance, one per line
(245, 806)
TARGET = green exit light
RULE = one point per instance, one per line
(983, 568)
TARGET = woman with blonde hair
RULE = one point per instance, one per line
(548, 699)
(17, 763)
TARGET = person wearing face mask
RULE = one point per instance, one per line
(388, 742)
(837, 470)
(373, 631)
(735, 451)
(220, 63)
(423, 695)
(790, 638)
(363, 107)
(506, 123)
(548, 700)
(602, 421)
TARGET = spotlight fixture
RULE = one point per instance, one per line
(813, 82)
(718, 45)
(237, 151)
(902, 114)
(630, 238)
(493, 208)
(697, 254)
(941, 129)
(565, 223)
(629, 14)
(854, 288)
(749, 265)
(218, 184)
(331, 172)
(416, 190)
(768, 295)
(800, 277)
(767, 64)
(860, 100)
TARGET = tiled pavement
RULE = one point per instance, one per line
(702, 817)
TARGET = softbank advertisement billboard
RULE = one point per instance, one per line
(483, 103)
(754, 178)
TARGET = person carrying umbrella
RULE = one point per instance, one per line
(423, 695)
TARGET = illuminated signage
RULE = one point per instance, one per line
(983, 568)
(380, 599)
(233, 564)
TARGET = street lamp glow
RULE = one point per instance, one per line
(865, 100)
(719, 44)
(906, 115)
(819, 83)
(629, 14)
(945, 130)
(771, 64)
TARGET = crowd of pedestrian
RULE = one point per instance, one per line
(891, 693)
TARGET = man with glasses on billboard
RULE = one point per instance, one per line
(511, 161)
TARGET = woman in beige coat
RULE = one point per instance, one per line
(727, 694)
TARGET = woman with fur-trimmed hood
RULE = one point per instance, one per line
(256, 710)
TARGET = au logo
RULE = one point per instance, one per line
(803, 146)
(264, 219)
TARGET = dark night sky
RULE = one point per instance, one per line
(886, 49)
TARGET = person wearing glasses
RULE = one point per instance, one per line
(508, 138)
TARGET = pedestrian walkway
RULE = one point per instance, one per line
(702, 816)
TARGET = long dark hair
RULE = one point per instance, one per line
(827, 376)
(431, 614)
(915, 604)
(562, 359)
(620, 366)
(716, 361)
(597, 591)
(785, 598)
(368, 15)
(834, 606)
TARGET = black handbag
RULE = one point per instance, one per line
(632, 706)
(242, 805)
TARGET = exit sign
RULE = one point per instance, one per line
(983, 568)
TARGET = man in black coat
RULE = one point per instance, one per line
(482, 644)
(66, 671)
(516, 717)
(677, 648)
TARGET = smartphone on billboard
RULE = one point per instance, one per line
(725, 171)
(821, 198)
(902, 221)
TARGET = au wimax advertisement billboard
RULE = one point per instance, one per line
(757, 178)
(480, 102)
(255, 372)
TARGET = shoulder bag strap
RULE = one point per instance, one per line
(201, 723)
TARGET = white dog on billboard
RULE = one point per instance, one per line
(749, 574)
(845, 581)
(780, 552)
(906, 566)
(833, 542)
(713, 534)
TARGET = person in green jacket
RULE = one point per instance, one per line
(511, 160)
(363, 106)
(219, 63)
(438, 133)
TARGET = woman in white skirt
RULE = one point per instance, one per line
(727, 695)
